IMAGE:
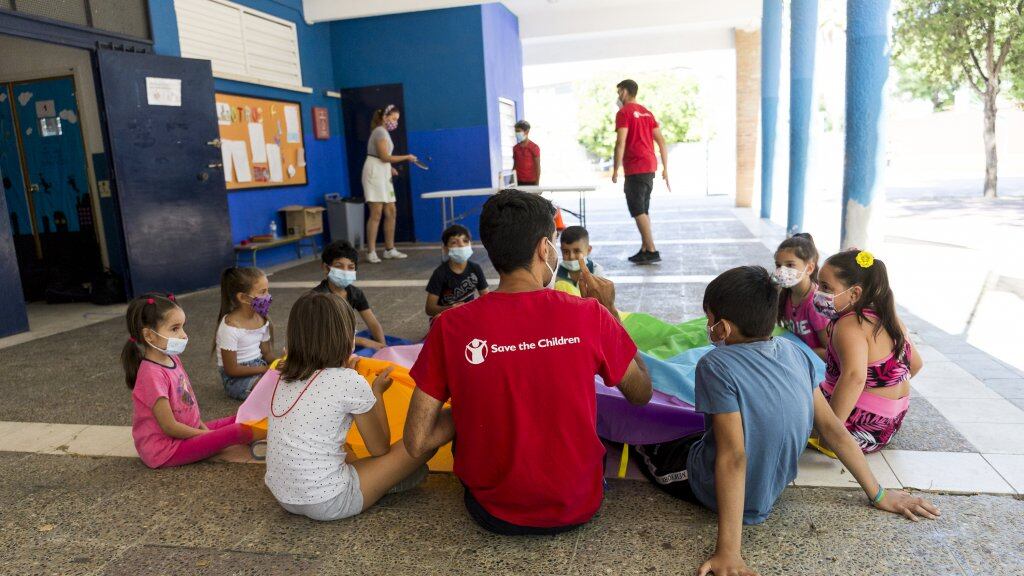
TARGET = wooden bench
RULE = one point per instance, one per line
(254, 247)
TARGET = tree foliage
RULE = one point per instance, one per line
(954, 42)
(673, 100)
(927, 79)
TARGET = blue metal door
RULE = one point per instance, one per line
(167, 178)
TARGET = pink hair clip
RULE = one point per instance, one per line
(133, 340)
(150, 301)
(171, 297)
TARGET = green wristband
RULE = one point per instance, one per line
(879, 496)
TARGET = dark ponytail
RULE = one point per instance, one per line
(146, 311)
(232, 281)
(875, 292)
(802, 246)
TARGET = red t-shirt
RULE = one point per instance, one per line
(519, 369)
(639, 154)
(524, 160)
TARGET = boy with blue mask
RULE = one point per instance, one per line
(457, 280)
(339, 261)
(761, 400)
(576, 246)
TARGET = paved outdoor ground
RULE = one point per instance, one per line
(75, 501)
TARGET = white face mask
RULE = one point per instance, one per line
(716, 343)
(341, 278)
(175, 346)
(787, 277)
(619, 103)
(460, 254)
(571, 265)
(551, 283)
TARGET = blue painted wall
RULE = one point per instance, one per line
(452, 64)
(252, 210)
(503, 70)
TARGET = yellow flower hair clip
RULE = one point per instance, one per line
(865, 259)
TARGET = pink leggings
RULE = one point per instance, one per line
(223, 433)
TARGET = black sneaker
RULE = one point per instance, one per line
(636, 258)
(648, 258)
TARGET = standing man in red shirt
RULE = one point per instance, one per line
(518, 365)
(635, 132)
(526, 156)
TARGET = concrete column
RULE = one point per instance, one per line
(802, 44)
(771, 62)
(867, 70)
(748, 92)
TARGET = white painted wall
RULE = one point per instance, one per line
(28, 60)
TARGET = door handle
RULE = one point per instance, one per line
(215, 143)
(33, 188)
(215, 165)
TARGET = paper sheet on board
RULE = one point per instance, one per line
(226, 158)
(291, 122)
(258, 143)
(301, 161)
(274, 159)
(240, 160)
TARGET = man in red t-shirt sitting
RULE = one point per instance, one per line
(635, 132)
(526, 156)
(518, 365)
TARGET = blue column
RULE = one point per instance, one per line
(803, 36)
(771, 63)
(867, 70)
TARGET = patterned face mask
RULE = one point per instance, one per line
(787, 277)
(825, 303)
(390, 125)
(261, 304)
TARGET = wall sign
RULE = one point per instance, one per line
(321, 123)
(163, 91)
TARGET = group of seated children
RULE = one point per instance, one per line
(759, 393)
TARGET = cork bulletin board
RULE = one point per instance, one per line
(261, 142)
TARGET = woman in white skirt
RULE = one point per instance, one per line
(378, 189)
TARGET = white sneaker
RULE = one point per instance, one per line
(394, 254)
(372, 257)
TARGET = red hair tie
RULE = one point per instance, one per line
(171, 297)
(150, 301)
(133, 340)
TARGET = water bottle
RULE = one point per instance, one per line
(273, 229)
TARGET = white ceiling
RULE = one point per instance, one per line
(575, 30)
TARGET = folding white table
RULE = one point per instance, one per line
(447, 197)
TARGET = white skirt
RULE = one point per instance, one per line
(377, 185)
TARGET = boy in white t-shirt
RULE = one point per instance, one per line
(315, 401)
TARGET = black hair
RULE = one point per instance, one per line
(574, 234)
(523, 125)
(511, 224)
(146, 311)
(629, 86)
(876, 294)
(745, 296)
(455, 230)
(339, 249)
(802, 246)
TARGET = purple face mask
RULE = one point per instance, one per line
(390, 125)
(261, 304)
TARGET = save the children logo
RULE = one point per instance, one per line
(476, 351)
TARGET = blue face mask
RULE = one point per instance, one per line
(461, 254)
(175, 346)
(520, 136)
(341, 278)
(572, 265)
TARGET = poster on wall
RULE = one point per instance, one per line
(321, 123)
(261, 142)
(163, 91)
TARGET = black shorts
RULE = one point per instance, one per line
(489, 522)
(665, 465)
(638, 189)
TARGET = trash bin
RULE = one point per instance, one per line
(345, 218)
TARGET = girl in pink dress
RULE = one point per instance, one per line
(166, 425)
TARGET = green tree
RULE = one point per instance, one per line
(673, 101)
(964, 41)
(919, 80)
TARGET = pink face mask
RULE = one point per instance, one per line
(390, 125)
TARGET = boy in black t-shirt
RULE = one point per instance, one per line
(457, 280)
(339, 262)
